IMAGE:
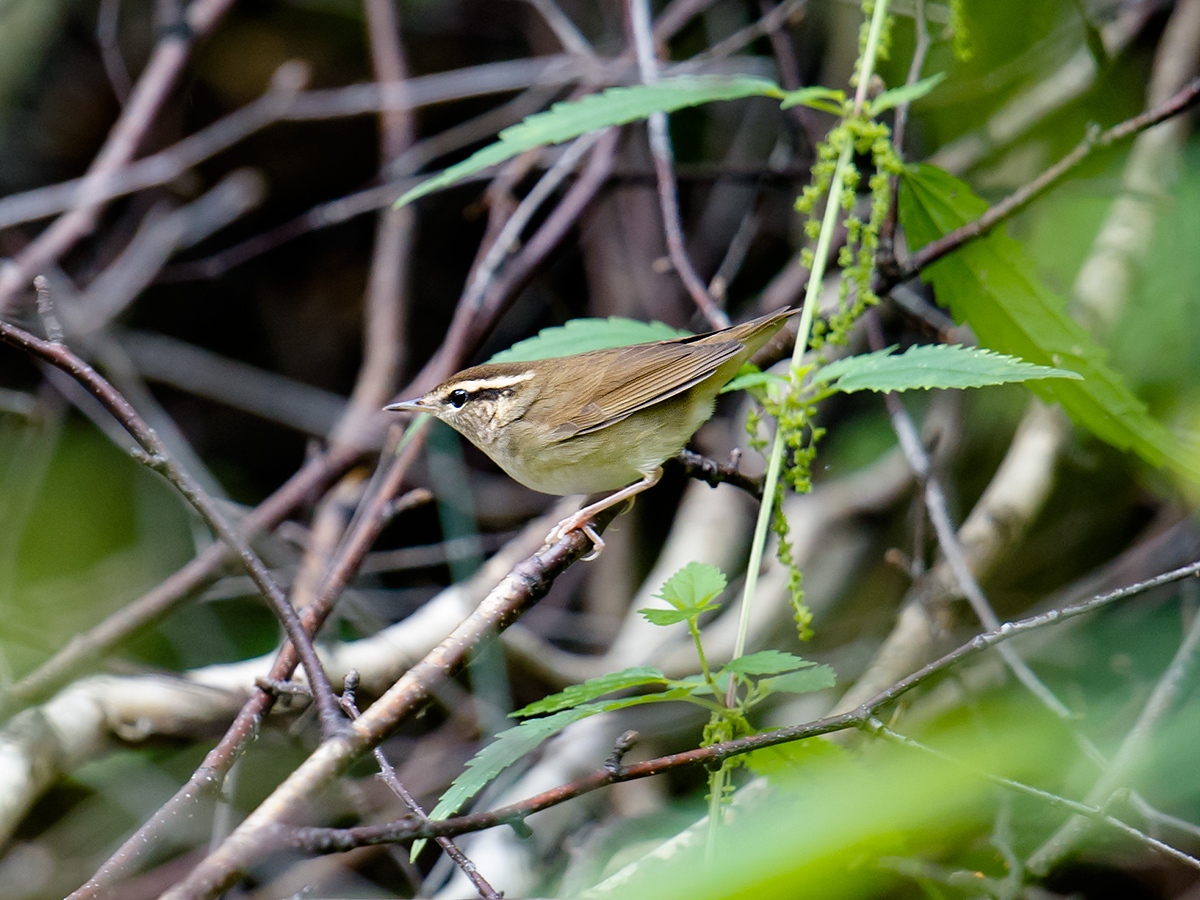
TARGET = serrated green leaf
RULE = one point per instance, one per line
(615, 106)
(800, 682)
(906, 93)
(989, 284)
(509, 746)
(931, 366)
(582, 335)
(766, 662)
(594, 688)
(693, 586)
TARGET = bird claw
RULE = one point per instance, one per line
(577, 523)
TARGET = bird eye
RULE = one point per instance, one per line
(458, 398)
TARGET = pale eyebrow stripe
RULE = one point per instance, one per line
(496, 383)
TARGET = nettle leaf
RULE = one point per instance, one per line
(988, 284)
(931, 366)
(657, 616)
(582, 335)
(615, 106)
(766, 662)
(594, 688)
(693, 586)
(817, 678)
(906, 93)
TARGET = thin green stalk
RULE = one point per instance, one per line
(775, 461)
(811, 294)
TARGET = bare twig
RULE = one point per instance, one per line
(668, 193)
(527, 582)
(713, 473)
(108, 20)
(388, 774)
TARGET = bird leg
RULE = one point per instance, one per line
(582, 520)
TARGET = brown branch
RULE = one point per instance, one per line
(208, 777)
(388, 774)
(86, 649)
(702, 468)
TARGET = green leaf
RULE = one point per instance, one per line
(582, 335)
(693, 586)
(906, 93)
(594, 688)
(615, 106)
(816, 96)
(766, 662)
(801, 682)
(509, 746)
(931, 366)
(657, 616)
(754, 379)
(989, 284)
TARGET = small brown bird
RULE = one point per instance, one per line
(595, 421)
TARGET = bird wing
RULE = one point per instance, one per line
(643, 375)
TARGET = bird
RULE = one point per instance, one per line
(604, 420)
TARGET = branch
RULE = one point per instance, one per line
(664, 158)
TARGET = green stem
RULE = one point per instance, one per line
(811, 294)
(703, 659)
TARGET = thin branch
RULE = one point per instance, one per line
(713, 473)
(388, 775)
(208, 776)
(668, 192)
(108, 21)
(1169, 690)
(1087, 811)
(87, 648)
(526, 583)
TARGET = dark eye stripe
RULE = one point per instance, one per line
(458, 398)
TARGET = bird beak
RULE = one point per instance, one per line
(418, 405)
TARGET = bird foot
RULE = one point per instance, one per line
(578, 522)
